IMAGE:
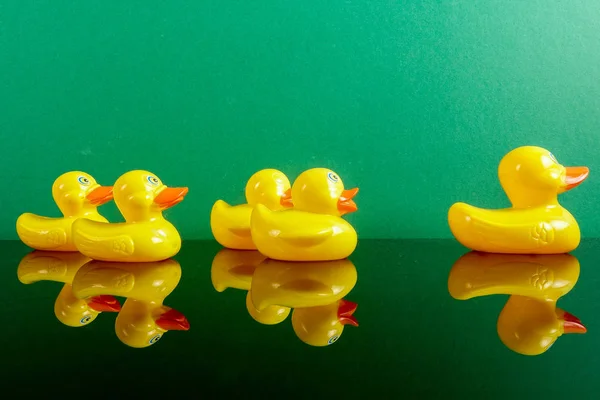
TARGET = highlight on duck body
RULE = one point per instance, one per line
(61, 267)
(145, 236)
(230, 225)
(532, 178)
(313, 230)
(77, 195)
(143, 319)
(530, 322)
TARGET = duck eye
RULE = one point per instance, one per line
(155, 339)
(85, 320)
(332, 177)
(333, 339)
(83, 180)
(153, 180)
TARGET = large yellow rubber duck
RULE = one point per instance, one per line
(77, 195)
(61, 267)
(143, 319)
(145, 236)
(536, 223)
(530, 323)
(230, 225)
(313, 230)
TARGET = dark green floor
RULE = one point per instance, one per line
(413, 338)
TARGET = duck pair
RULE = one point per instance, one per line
(140, 196)
(299, 222)
(532, 179)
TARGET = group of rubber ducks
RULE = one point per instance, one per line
(288, 247)
(522, 251)
(97, 260)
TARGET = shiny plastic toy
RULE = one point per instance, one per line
(230, 225)
(323, 325)
(61, 267)
(313, 230)
(145, 236)
(530, 322)
(144, 319)
(77, 195)
(536, 223)
(234, 269)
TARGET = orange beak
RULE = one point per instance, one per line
(574, 176)
(100, 195)
(170, 197)
(345, 310)
(104, 303)
(572, 324)
(345, 203)
(173, 320)
(286, 199)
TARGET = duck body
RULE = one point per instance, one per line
(230, 225)
(536, 223)
(150, 241)
(302, 236)
(145, 236)
(547, 229)
(77, 195)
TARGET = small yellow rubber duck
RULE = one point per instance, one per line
(145, 236)
(61, 267)
(77, 195)
(530, 322)
(323, 325)
(313, 230)
(536, 224)
(143, 319)
(234, 269)
(230, 225)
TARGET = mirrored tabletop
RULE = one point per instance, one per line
(398, 319)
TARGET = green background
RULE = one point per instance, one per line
(415, 102)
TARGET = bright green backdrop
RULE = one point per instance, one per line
(415, 102)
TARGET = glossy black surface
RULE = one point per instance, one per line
(413, 338)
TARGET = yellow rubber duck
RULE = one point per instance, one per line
(536, 223)
(234, 269)
(145, 236)
(230, 225)
(300, 285)
(323, 325)
(143, 319)
(61, 267)
(313, 230)
(530, 322)
(77, 195)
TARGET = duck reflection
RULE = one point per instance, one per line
(530, 323)
(313, 292)
(61, 267)
(144, 319)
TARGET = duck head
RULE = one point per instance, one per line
(320, 190)
(271, 188)
(141, 196)
(323, 326)
(76, 312)
(141, 324)
(531, 326)
(531, 176)
(77, 193)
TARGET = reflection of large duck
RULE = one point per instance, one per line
(530, 322)
(143, 319)
(61, 267)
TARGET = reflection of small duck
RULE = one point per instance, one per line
(530, 322)
(532, 179)
(77, 195)
(61, 267)
(323, 325)
(145, 235)
(234, 269)
(143, 319)
(230, 225)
